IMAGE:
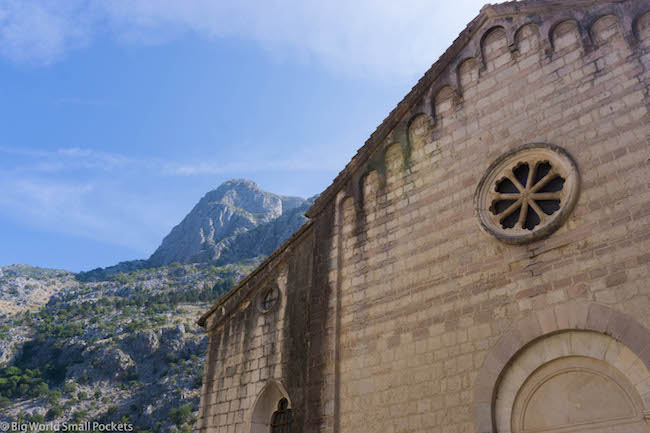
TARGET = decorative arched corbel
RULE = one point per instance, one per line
(630, 25)
(400, 135)
(480, 58)
(448, 81)
(355, 187)
(481, 51)
(545, 34)
(561, 19)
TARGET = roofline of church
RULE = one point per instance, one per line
(413, 97)
(257, 270)
(410, 101)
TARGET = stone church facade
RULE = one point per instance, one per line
(481, 265)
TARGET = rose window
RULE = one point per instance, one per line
(267, 299)
(527, 193)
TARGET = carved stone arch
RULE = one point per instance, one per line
(412, 131)
(578, 377)
(349, 208)
(509, 25)
(572, 316)
(413, 118)
(266, 404)
(594, 21)
(439, 86)
(644, 16)
(361, 187)
(565, 19)
(365, 189)
(462, 64)
(442, 87)
(484, 36)
(487, 34)
(395, 156)
(427, 103)
(520, 30)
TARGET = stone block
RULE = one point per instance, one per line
(598, 317)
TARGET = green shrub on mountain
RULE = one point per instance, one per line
(80, 416)
(4, 331)
(35, 418)
(181, 415)
(41, 389)
(18, 383)
(54, 412)
(53, 397)
(70, 388)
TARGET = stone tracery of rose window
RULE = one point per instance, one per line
(527, 193)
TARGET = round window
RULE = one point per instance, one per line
(268, 299)
(527, 193)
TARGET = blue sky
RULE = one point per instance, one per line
(118, 116)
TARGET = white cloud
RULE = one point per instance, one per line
(65, 160)
(71, 159)
(42, 31)
(254, 164)
(102, 210)
(100, 195)
(364, 38)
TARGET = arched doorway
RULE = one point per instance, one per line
(272, 411)
(574, 368)
(577, 394)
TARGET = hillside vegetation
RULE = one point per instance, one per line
(121, 343)
(126, 349)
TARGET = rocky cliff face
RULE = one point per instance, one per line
(235, 222)
(24, 287)
(265, 238)
(236, 207)
(124, 347)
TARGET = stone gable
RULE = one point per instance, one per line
(398, 312)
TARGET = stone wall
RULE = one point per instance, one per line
(394, 300)
(425, 293)
(254, 356)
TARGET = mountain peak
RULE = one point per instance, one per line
(233, 183)
(245, 195)
(235, 221)
(234, 207)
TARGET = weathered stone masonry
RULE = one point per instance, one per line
(398, 313)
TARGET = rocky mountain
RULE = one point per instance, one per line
(24, 287)
(265, 238)
(127, 348)
(235, 222)
(121, 343)
(217, 220)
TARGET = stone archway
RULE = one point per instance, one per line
(265, 405)
(579, 381)
(577, 394)
(564, 352)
